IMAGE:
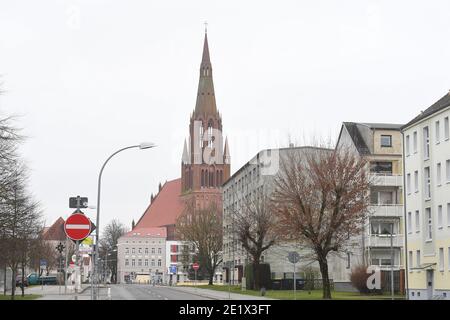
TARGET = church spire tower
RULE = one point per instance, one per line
(205, 174)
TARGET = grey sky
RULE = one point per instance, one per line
(91, 76)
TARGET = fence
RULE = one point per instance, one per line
(301, 284)
(399, 278)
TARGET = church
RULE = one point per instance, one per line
(150, 251)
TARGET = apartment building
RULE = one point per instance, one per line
(255, 178)
(427, 202)
(141, 256)
(381, 146)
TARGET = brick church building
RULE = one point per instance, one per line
(205, 166)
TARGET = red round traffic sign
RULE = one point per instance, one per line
(195, 266)
(77, 227)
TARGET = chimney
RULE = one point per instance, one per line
(159, 187)
(151, 198)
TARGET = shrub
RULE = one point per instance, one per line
(264, 276)
(359, 278)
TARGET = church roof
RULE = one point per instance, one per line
(55, 231)
(166, 207)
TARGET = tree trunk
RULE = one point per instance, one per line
(256, 282)
(326, 289)
(4, 281)
(23, 279)
(13, 283)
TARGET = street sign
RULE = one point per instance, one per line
(173, 269)
(195, 266)
(60, 247)
(78, 202)
(77, 226)
(293, 257)
(43, 263)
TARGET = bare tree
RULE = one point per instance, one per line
(21, 221)
(321, 200)
(203, 228)
(254, 224)
(108, 245)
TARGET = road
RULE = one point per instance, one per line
(149, 292)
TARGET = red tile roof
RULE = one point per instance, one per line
(165, 208)
(147, 232)
(56, 231)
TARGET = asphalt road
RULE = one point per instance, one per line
(149, 292)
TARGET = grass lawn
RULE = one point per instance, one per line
(301, 294)
(19, 297)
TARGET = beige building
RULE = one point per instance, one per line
(427, 168)
(381, 146)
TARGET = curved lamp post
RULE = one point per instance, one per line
(144, 145)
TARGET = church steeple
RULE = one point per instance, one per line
(206, 100)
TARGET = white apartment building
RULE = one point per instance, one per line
(427, 202)
(141, 255)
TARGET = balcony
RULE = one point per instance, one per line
(375, 240)
(386, 210)
(386, 179)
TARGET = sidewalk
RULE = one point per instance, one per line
(218, 295)
(57, 292)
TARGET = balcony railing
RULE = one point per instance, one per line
(388, 267)
(381, 240)
(386, 179)
(386, 210)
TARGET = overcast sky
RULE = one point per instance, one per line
(89, 77)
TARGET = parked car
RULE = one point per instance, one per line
(19, 281)
(34, 278)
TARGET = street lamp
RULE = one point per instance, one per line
(144, 145)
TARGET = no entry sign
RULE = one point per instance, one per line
(195, 266)
(77, 226)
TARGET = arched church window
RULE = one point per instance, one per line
(210, 133)
(201, 135)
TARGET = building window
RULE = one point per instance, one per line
(159, 262)
(426, 143)
(448, 258)
(447, 170)
(127, 250)
(133, 250)
(416, 181)
(446, 129)
(383, 167)
(133, 262)
(429, 224)
(408, 183)
(448, 214)
(410, 256)
(437, 133)
(418, 258)
(386, 140)
(146, 262)
(438, 174)
(440, 222)
(139, 262)
(427, 182)
(146, 250)
(417, 221)
(140, 250)
(127, 263)
(153, 250)
(441, 259)
(407, 145)
(415, 142)
(382, 228)
(159, 250)
(409, 222)
(153, 262)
